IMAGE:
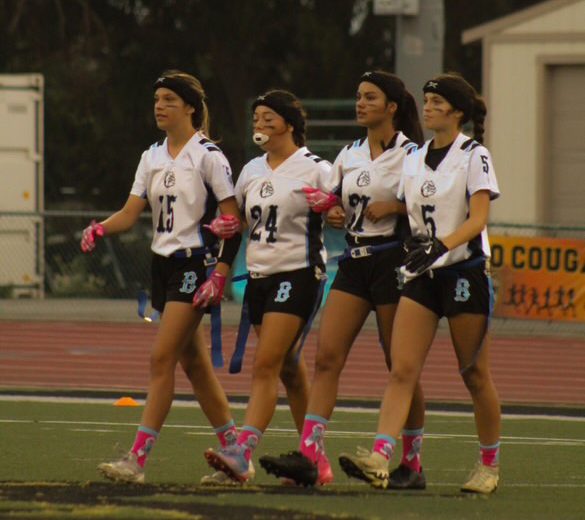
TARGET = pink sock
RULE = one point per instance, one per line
(314, 429)
(490, 455)
(249, 438)
(143, 443)
(411, 448)
(227, 434)
(384, 445)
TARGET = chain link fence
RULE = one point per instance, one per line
(44, 274)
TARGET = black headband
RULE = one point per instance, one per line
(290, 114)
(393, 90)
(182, 89)
(452, 94)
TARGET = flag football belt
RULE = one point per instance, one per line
(189, 252)
(364, 251)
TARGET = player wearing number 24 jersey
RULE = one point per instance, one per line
(284, 234)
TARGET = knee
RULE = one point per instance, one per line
(192, 366)
(328, 361)
(162, 362)
(404, 374)
(475, 379)
(265, 367)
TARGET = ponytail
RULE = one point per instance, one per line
(406, 117)
(407, 120)
(478, 118)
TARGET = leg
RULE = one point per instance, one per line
(177, 325)
(343, 317)
(278, 333)
(408, 474)
(413, 332)
(385, 318)
(469, 335)
(295, 379)
(196, 363)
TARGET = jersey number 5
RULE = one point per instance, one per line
(427, 210)
(270, 226)
(165, 223)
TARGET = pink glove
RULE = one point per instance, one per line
(89, 236)
(224, 226)
(211, 291)
(319, 201)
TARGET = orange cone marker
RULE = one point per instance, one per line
(126, 401)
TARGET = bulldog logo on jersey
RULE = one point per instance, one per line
(169, 180)
(266, 190)
(428, 189)
(363, 179)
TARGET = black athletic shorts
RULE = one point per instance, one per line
(293, 292)
(373, 278)
(176, 279)
(453, 290)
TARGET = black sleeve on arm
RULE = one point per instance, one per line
(229, 249)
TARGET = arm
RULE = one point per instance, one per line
(211, 291)
(126, 218)
(479, 207)
(423, 253)
(120, 221)
(382, 209)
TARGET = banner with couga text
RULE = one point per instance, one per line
(539, 278)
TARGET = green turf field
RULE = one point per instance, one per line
(49, 451)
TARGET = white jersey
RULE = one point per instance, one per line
(364, 180)
(284, 234)
(437, 201)
(183, 192)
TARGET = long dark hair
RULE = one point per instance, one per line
(406, 118)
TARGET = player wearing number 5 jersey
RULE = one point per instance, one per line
(367, 174)
(285, 258)
(447, 185)
(185, 178)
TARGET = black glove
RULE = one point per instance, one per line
(422, 253)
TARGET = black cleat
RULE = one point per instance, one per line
(293, 465)
(403, 477)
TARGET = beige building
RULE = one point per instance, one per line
(534, 84)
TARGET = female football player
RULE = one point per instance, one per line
(184, 178)
(447, 185)
(367, 173)
(285, 258)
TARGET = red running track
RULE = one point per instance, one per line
(100, 356)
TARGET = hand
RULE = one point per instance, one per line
(211, 291)
(336, 217)
(379, 210)
(224, 226)
(319, 201)
(90, 234)
(420, 257)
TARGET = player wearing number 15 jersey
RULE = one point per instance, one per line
(185, 179)
(286, 263)
(447, 186)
